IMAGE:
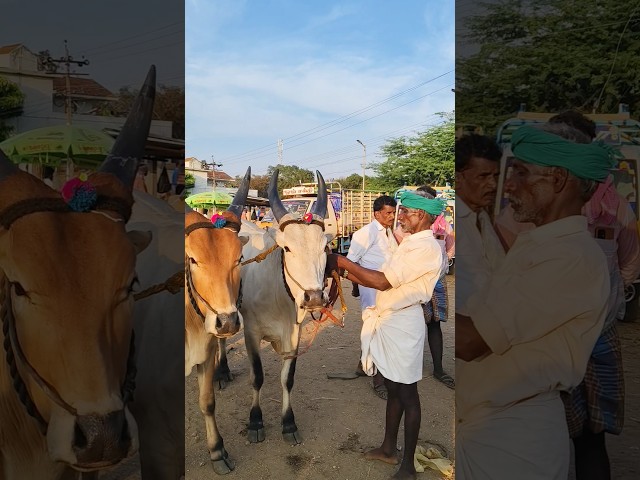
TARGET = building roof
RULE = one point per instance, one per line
(85, 87)
(4, 49)
(220, 175)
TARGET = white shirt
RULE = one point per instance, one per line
(393, 331)
(371, 248)
(540, 314)
(473, 263)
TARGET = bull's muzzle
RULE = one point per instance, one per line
(228, 324)
(101, 440)
(313, 299)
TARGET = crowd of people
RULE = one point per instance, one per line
(538, 292)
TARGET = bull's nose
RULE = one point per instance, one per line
(228, 323)
(313, 299)
(101, 439)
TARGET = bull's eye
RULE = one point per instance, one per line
(18, 289)
(132, 285)
(287, 249)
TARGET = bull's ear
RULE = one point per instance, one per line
(140, 239)
(243, 240)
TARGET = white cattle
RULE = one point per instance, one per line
(158, 401)
(67, 270)
(278, 293)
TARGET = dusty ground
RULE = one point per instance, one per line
(338, 419)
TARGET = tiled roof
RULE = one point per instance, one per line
(9, 48)
(81, 86)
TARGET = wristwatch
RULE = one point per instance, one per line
(345, 273)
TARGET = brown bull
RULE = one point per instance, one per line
(67, 274)
(213, 253)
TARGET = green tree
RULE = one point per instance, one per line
(353, 182)
(550, 55)
(169, 105)
(11, 104)
(259, 183)
(426, 158)
(290, 175)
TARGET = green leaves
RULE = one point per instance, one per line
(426, 158)
(551, 55)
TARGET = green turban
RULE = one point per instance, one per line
(584, 160)
(434, 206)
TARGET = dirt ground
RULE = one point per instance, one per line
(338, 419)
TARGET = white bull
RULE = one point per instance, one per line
(158, 402)
(278, 292)
(67, 270)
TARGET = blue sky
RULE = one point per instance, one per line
(317, 74)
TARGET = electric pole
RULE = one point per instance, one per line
(280, 148)
(68, 60)
(364, 161)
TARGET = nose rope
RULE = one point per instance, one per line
(193, 293)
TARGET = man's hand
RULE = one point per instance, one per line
(332, 264)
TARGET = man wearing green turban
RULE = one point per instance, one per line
(529, 331)
(393, 330)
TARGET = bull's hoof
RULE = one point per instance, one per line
(224, 465)
(223, 379)
(292, 438)
(256, 436)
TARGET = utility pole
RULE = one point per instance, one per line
(364, 161)
(68, 60)
(213, 165)
(280, 148)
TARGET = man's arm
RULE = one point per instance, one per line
(361, 275)
(469, 344)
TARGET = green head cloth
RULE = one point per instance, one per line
(584, 160)
(434, 206)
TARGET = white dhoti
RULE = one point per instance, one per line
(393, 343)
(527, 441)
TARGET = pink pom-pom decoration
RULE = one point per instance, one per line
(81, 196)
(307, 217)
(218, 220)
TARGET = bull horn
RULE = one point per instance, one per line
(240, 198)
(7, 167)
(320, 207)
(128, 149)
(277, 207)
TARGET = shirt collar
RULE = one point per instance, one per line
(378, 225)
(462, 209)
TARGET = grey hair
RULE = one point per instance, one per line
(432, 218)
(587, 186)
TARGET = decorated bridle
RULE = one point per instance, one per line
(217, 222)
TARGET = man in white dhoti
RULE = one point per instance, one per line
(528, 332)
(393, 332)
(372, 247)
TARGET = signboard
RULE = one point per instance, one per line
(301, 190)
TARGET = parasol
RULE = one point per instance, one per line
(209, 199)
(52, 145)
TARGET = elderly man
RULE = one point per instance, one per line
(372, 247)
(528, 333)
(393, 333)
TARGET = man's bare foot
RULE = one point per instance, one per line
(404, 475)
(378, 454)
